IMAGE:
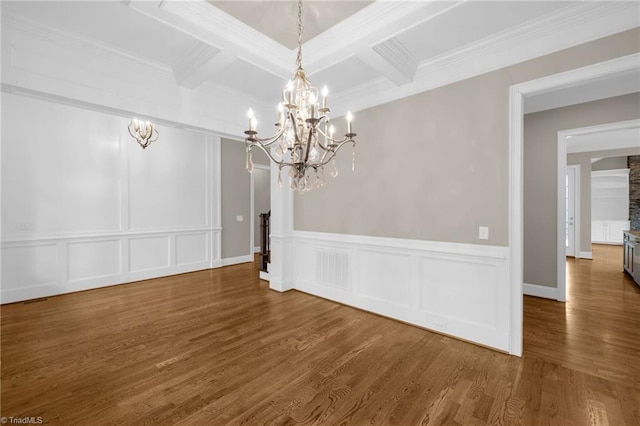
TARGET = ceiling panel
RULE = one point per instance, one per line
(278, 19)
(111, 23)
(344, 75)
(245, 77)
(469, 22)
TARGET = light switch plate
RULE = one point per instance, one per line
(483, 232)
(239, 218)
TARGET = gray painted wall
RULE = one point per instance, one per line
(236, 200)
(540, 179)
(434, 166)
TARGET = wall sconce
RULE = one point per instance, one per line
(144, 132)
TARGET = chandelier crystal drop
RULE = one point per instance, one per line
(305, 138)
(144, 132)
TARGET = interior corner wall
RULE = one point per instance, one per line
(84, 206)
(236, 202)
(540, 179)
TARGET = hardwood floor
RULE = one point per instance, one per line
(217, 347)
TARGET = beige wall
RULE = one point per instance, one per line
(434, 166)
(540, 178)
(236, 201)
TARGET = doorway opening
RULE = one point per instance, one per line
(571, 79)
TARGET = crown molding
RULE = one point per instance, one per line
(568, 27)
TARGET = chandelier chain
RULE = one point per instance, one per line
(300, 28)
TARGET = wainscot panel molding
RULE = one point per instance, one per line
(42, 267)
(96, 209)
(462, 290)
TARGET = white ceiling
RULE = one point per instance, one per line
(365, 52)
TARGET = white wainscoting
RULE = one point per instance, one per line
(457, 289)
(50, 266)
(83, 206)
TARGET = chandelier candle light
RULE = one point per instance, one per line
(143, 131)
(304, 139)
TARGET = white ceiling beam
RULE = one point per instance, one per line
(215, 27)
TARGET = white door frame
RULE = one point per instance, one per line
(516, 111)
(561, 278)
(576, 214)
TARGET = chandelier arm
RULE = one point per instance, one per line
(280, 163)
(266, 141)
(131, 133)
(334, 152)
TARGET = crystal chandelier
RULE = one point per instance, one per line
(144, 132)
(304, 140)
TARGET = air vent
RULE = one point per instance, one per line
(332, 269)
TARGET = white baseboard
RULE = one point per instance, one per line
(237, 260)
(256, 249)
(540, 291)
(586, 255)
(608, 243)
(264, 275)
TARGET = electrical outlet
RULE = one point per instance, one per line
(239, 218)
(483, 232)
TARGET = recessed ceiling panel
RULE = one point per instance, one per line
(277, 19)
(247, 78)
(111, 23)
(470, 22)
(344, 75)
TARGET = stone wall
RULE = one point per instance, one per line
(634, 191)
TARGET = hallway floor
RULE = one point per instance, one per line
(597, 331)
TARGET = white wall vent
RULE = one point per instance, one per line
(332, 269)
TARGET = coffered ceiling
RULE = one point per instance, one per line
(366, 52)
(278, 19)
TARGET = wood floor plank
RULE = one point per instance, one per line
(217, 347)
